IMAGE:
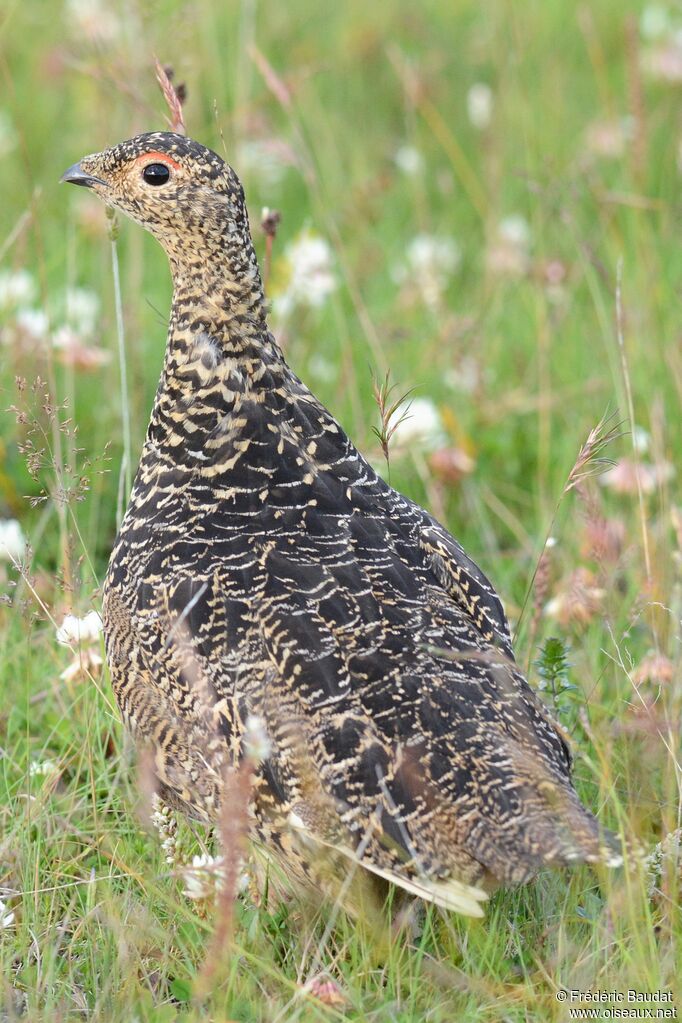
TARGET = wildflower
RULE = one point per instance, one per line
(421, 427)
(626, 476)
(409, 160)
(603, 539)
(609, 138)
(451, 464)
(661, 59)
(72, 350)
(86, 662)
(41, 768)
(166, 824)
(93, 19)
(465, 376)
(578, 601)
(508, 254)
(6, 918)
(308, 263)
(322, 368)
(641, 439)
(654, 668)
(205, 877)
(17, 288)
(74, 630)
(256, 741)
(429, 261)
(654, 22)
(12, 540)
(33, 323)
(325, 990)
(82, 309)
(667, 851)
(480, 105)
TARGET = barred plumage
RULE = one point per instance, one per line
(263, 567)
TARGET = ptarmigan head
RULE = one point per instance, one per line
(180, 191)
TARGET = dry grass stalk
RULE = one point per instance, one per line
(273, 81)
(173, 97)
(392, 411)
(234, 832)
(270, 221)
(590, 461)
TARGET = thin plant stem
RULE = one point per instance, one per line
(126, 463)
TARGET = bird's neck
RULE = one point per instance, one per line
(219, 354)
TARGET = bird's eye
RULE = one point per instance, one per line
(156, 173)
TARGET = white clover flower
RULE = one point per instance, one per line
(409, 160)
(465, 376)
(74, 630)
(641, 440)
(480, 105)
(654, 21)
(12, 540)
(205, 877)
(82, 309)
(508, 254)
(309, 260)
(94, 19)
(515, 230)
(322, 368)
(33, 322)
(256, 740)
(422, 426)
(17, 288)
(40, 768)
(429, 261)
(6, 918)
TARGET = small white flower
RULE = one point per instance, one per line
(205, 877)
(74, 630)
(465, 376)
(429, 261)
(6, 918)
(322, 368)
(654, 22)
(508, 255)
(33, 322)
(641, 439)
(12, 540)
(40, 768)
(256, 740)
(421, 427)
(86, 662)
(94, 19)
(82, 309)
(515, 230)
(309, 260)
(480, 105)
(409, 160)
(16, 288)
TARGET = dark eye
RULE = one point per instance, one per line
(156, 173)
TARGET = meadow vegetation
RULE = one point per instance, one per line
(482, 199)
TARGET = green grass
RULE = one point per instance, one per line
(101, 931)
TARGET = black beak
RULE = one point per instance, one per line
(75, 175)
